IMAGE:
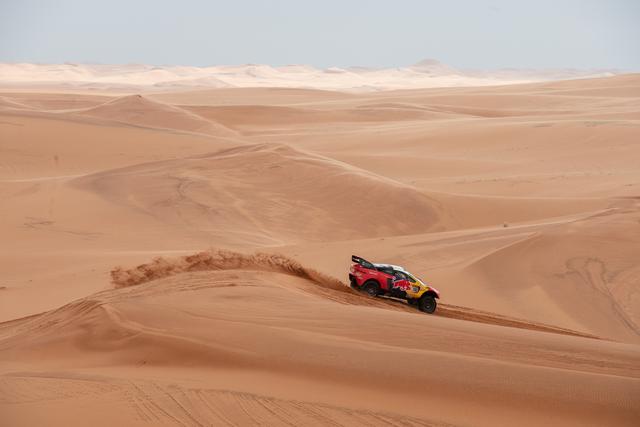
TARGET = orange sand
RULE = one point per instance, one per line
(520, 203)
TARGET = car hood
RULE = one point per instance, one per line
(429, 287)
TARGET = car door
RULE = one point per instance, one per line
(401, 281)
(414, 287)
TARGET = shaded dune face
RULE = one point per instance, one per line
(273, 193)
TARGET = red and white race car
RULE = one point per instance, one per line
(393, 281)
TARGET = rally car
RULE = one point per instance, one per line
(393, 281)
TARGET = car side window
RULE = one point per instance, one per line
(411, 278)
(400, 275)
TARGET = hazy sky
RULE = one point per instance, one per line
(464, 34)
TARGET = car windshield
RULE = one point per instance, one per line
(413, 278)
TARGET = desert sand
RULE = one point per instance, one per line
(179, 257)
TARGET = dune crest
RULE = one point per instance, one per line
(141, 111)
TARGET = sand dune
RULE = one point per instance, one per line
(296, 338)
(586, 258)
(518, 202)
(326, 286)
(236, 195)
(140, 111)
(527, 271)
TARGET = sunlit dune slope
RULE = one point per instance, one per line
(50, 145)
(269, 194)
(576, 272)
(580, 274)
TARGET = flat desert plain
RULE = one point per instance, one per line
(181, 257)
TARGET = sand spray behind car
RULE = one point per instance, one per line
(213, 260)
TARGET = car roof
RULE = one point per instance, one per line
(395, 267)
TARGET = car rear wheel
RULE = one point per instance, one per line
(371, 288)
(427, 304)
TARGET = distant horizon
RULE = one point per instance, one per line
(141, 76)
(463, 69)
